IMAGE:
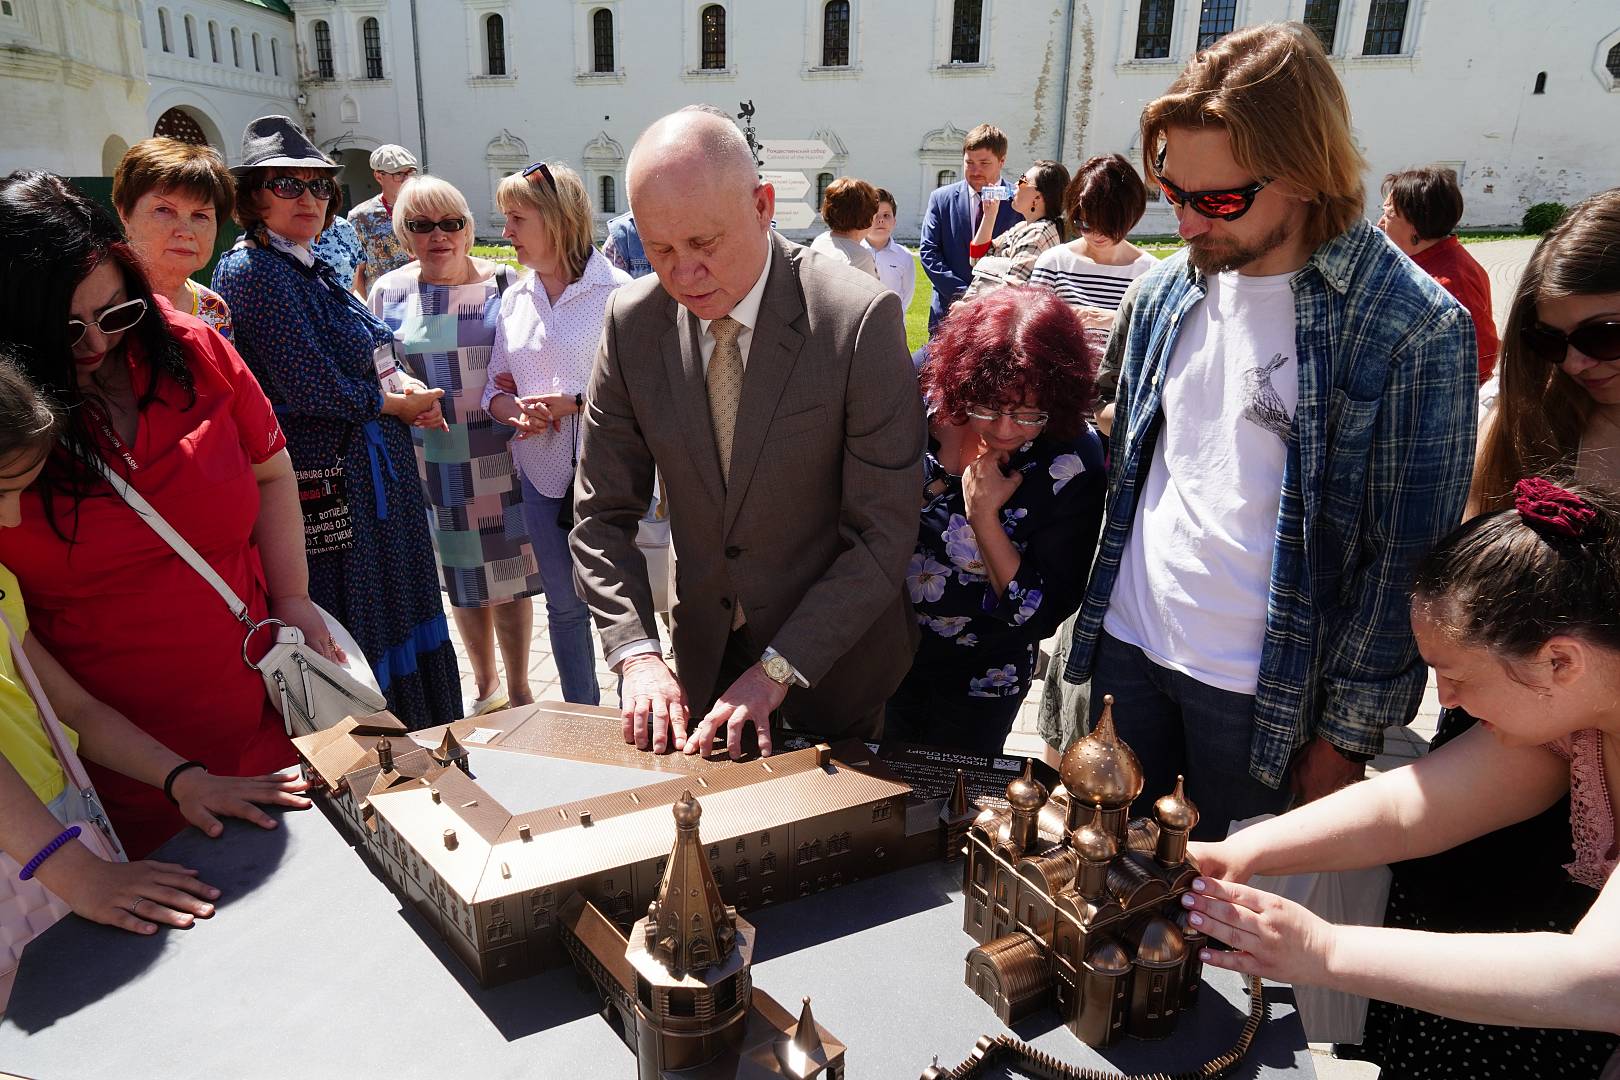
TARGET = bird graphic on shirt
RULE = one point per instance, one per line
(1262, 404)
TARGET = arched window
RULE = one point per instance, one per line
(1153, 29)
(257, 66)
(1613, 62)
(1541, 83)
(945, 178)
(835, 34)
(176, 123)
(1322, 16)
(823, 181)
(602, 40)
(371, 38)
(213, 41)
(275, 59)
(1215, 21)
(1386, 28)
(494, 45)
(163, 30)
(713, 21)
(967, 21)
(191, 37)
(323, 50)
(236, 46)
(610, 197)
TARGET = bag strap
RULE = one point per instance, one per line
(188, 554)
(71, 765)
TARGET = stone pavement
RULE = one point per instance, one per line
(1503, 259)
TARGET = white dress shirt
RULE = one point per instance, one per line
(896, 269)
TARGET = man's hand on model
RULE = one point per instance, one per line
(749, 700)
(653, 704)
(1320, 769)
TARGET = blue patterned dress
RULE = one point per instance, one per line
(310, 344)
(475, 501)
(977, 655)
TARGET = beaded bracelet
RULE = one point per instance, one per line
(69, 833)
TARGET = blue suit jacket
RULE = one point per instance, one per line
(946, 230)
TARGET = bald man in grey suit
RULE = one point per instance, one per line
(772, 390)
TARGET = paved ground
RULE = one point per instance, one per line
(1502, 259)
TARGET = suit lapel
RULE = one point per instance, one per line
(964, 212)
(683, 364)
(772, 354)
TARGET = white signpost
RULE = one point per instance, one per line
(784, 160)
(795, 153)
(794, 215)
(788, 185)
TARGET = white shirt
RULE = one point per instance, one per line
(896, 268)
(1196, 572)
(550, 349)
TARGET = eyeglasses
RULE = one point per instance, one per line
(1023, 180)
(290, 187)
(1222, 204)
(422, 226)
(1021, 417)
(403, 174)
(115, 320)
(1597, 340)
(545, 174)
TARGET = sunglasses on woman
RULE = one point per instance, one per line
(1595, 340)
(545, 174)
(290, 187)
(115, 320)
(422, 226)
(1221, 204)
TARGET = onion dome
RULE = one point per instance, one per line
(1091, 841)
(1108, 957)
(1175, 810)
(1099, 768)
(1027, 793)
(687, 811)
(1162, 942)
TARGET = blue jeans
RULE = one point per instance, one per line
(1180, 726)
(567, 616)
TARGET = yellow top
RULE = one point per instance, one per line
(22, 734)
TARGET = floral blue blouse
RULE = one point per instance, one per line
(981, 644)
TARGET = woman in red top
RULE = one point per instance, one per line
(1421, 207)
(168, 403)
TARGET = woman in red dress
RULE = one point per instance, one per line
(165, 401)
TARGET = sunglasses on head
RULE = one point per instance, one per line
(1594, 340)
(115, 320)
(422, 226)
(290, 187)
(545, 174)
(1221, 204)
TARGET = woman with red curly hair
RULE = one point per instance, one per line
(1012, 503)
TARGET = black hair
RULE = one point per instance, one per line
(1509, 584)
(28, 420)
(1052, 180)
(51, 237)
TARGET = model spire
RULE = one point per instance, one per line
(689, 925)
(803, 1055)
(450, 752)
(385, 754)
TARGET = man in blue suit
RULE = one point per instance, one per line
(953, 216)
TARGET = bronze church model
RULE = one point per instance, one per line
(1075, 907)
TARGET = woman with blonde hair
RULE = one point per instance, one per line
(545, 343)
(443, 309)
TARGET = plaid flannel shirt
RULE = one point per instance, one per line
(1012, 255)
(1378, 467)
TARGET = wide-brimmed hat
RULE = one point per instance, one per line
(278, 140)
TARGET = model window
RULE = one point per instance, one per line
(602, 40)
(324, 67)
(371, 37)
(742, 846)
(1215, 21)
(835, 34)
(740, 871)
(1322, 16)
(1386, 28)
(713, 22)
(1153, 29)
(495, 45)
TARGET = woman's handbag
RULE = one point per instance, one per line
(310, 691)
(27, 908)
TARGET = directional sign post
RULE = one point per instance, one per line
(795, 153)
(788, 185)
(794, 215)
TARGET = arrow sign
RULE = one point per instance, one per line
(795, 153)
(794, 215)
(788, 185)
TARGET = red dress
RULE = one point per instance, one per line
(136, 626)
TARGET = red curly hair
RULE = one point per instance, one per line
(1016, 343)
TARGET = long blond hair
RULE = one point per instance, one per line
(565, 212)
(1271, 87)
(1540, 411)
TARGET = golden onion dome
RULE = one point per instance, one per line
(1108, 957)
(1175, 810)
(687, 811)
(1091, 841)
(1162, 942)
(1099, 768)
(1027, 793)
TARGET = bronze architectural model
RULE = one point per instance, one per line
(1074, 906)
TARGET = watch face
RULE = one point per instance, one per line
(778, 669)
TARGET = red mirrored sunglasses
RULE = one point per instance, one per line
(1221, 204)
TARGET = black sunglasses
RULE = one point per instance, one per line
(1221, 204)
(115, 320)
(422, 226)
(545, 174)
(290, 187)
(1595, 340)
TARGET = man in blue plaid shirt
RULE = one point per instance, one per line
(1293, 429)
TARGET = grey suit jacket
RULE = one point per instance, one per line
(817, 525)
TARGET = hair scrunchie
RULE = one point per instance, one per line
(1552, 510)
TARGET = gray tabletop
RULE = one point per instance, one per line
(312, 963)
